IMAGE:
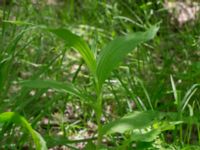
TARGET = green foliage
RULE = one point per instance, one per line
(149, 136)
(81, 109)
(58, 86)
(111, 55)
(108, 59)
(12, 117)
(7, 60)
(188, 96)
(114, 52)
(136, 120)
(79, 44)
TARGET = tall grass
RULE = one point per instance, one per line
(150, 101)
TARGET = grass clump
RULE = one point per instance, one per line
(138, 91)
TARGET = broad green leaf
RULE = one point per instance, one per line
(58, 86)
(78, 44)
(145, 137)
(115, 51)
(17, 119)
(135, 120)
(149, 134)
(152, 134)
(144, 146)
(90, 146)
(53, 141)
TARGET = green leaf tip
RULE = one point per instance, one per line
(76, 42)
(135, 120)
(19, 120)
(112, 54)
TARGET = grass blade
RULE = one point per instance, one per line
(145, 93)
(174, 90)
(78, 44)
(58, 86)
(17, 119)
(188, 96)
(7, 56)
(116, 50)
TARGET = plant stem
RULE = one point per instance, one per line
(98, 111)
(99, 114)
(198, 131)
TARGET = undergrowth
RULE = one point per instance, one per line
(97, 75)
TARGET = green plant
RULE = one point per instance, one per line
(182, 104)
(11, 117)
(140, 84)
(100, 68)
